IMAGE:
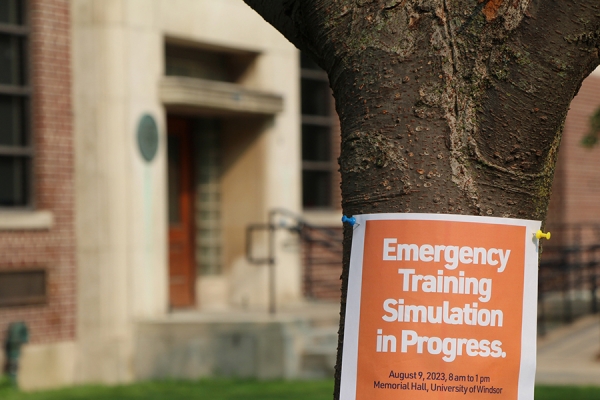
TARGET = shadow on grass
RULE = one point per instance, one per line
(5, 383)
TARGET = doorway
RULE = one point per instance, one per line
(194, 176)
(182, 274)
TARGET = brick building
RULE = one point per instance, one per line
(138, 141)
(37, 210)
(143, 139)
(576, 189)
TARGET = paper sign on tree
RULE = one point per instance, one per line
(441, 306)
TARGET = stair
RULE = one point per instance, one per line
(319, 353)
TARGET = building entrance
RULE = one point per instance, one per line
(194, 206)
(181, 224)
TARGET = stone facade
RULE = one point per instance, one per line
(122, 70)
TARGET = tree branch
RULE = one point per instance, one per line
(574, 26)
(279, 13)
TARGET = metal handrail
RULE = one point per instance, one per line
(572, 265)
(327, 239)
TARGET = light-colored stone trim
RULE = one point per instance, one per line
(47, 366)
(220, 96)
(26, 220)
(326, 218)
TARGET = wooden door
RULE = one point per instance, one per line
(181, 218)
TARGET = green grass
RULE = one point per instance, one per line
(219, 389)
(567, 393)
(223, 389)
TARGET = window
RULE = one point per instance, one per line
(16, 149)
(188, 59)
(318, 119)
(22, 288)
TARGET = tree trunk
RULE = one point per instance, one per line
(446, 106)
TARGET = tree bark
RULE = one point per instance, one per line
(448, 106)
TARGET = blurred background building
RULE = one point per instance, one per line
(38, 277)
(570, 265)
(168, 175)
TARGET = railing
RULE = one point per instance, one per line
(569, 274)
(321, 247)
(322, 258)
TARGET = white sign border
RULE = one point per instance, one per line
(530, 293)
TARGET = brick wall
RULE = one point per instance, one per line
(582, 167)
(576, 188)
(52, 249)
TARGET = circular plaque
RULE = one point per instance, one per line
(147, 136)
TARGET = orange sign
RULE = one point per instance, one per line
(440, 307)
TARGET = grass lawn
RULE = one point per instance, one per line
(222, 389)
(219, 389)
(567, 393)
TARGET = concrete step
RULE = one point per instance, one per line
(569, 355)
(319, 353)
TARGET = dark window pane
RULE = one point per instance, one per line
(11, 12)
(11, 60)
(174, 172)
(316, 143)
(22, 287)
(12, 121)
(316, 98)
(13, 181)
(316, 189)
(197, 63)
